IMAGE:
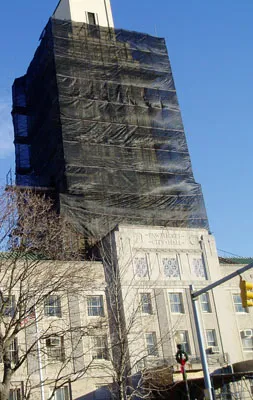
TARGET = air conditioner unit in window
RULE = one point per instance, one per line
(247, 333)
(214, 349)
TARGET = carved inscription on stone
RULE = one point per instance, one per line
(166, 239)
(172, 239)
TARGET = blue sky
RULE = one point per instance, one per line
(211, 51)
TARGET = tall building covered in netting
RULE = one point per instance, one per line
(97, 122)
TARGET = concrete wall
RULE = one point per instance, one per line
(76, 10)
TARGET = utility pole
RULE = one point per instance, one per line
(209, 392)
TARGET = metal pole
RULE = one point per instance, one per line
(70, 391)
(208, 386)
(186, 382)
(42, 391)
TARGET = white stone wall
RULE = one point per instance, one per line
(195, 262)
(232, 322)
(77, 347)
(76, 10)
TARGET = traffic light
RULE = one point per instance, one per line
(246, 293)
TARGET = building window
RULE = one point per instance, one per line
(151, 344)
(238, 304)
(52, 306)
(171, 268)
(93, 27)
(55, 348)
(12, 352)
(184, 340)
(95, 306)
(198, 268)
(247, 339)
(146, 305)
(91, 18)
(176, 303)
(141, 267)
(15, 394)
(61, 393)
(205, 303)
(211, 338)
(99, 348)
(8, 306)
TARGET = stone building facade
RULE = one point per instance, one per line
(162, 263)
(155, 267)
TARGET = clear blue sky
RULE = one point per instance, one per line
(211, 50)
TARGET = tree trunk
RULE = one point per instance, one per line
(4, 392)
(5, 385)
(121, 395)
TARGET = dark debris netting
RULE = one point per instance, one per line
(97, 118)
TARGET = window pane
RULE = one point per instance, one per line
(62, 393)
(238, 304)
(151, 344)
(52, 306)
(184, 340)
(99, 348)
(176, 303)
(91, 18)
(146, 305)
(95, 306)
(205, 303)
(59, 395)
(13, 351)
(211, 337)
(55, 348)
(14, 394)
(8, 306)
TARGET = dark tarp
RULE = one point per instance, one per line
(97, 117)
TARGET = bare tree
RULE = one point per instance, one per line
(36, 289)
(131, 368)
(43, 279)
(29, 224)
